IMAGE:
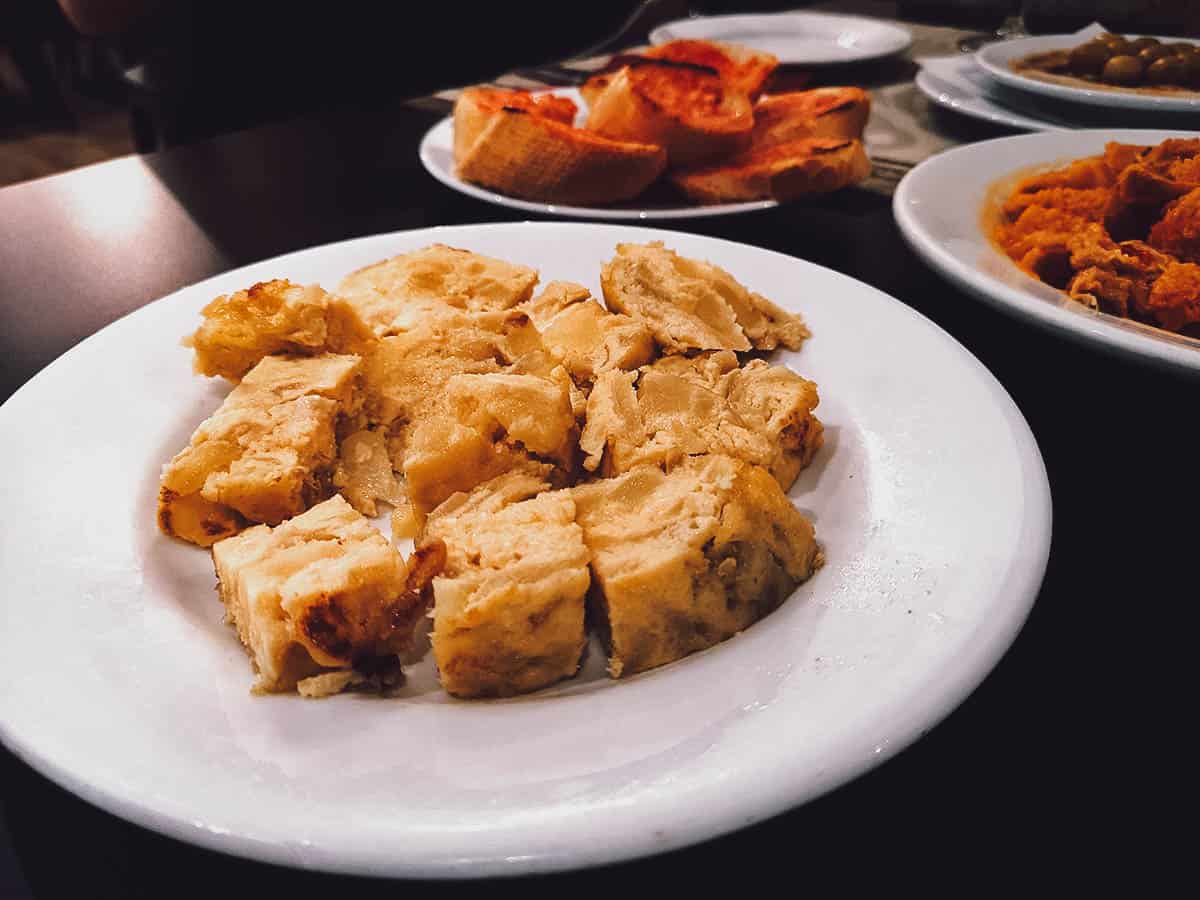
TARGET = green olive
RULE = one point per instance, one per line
(1167, 70)
(1148, 54)
(1143, 42)
(1125, 70)
(1089, 59)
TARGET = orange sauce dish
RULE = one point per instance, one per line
(1118, 232)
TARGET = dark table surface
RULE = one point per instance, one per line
(1065, 753)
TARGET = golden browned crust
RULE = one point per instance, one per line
(690, 113)
(828, 112)
(322, 592)
(741, 68)
(476, 105)
(274, 318)
(266, 454)
(525, 155)
(782, 172)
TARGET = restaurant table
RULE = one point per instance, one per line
(1058, 766)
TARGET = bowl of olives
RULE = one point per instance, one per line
(1142, 62)
(1101, 68)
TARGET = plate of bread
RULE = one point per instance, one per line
(682, 130)
(503, 548)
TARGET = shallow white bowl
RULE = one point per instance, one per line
(995, 58)
(945, 228)
(124, 685)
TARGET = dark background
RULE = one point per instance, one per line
(1068, 770)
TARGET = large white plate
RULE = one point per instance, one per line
(957, 84)
(437, 155)
(797, 38)
(946, 230)
(123, 684)
(995, 59)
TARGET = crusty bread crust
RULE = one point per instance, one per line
(523, 154)
(686, 109)
(782, 172)
(741, 68)
(828, 112)
(475, 107)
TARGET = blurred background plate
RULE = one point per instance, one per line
(995, 58)
(797, 38)
(957, 84)
(660, 201)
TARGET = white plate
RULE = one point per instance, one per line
(123, 684)
(995, 59)
(957, 84)
(797, 38)
(437, 155)
(944, 227)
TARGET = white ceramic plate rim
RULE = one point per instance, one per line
(437, 149)
(975, 649)
(978, 106)
(995, 57)
(1072, 319)
(892, 38)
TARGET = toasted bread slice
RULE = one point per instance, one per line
(682, 107)
(527, 155)
(782, 172)
(475, 106)
(740, 68)
(595, 86)
(827, 112)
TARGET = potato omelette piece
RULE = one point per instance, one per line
(274, 317)
(266, 454)
(490, 424)
(585, 337)
(364, 474)
(687, 406)
(323, 601)
(693, 305)
(509, 606)
(686, 559)
(406, 374)
(395, 294)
